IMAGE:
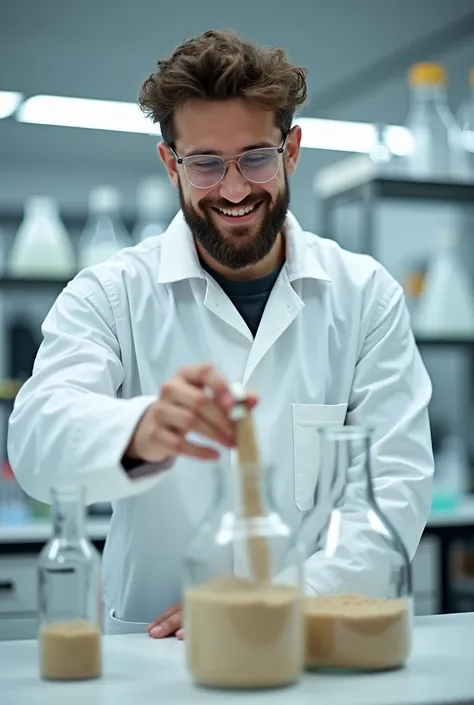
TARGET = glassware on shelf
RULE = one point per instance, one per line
(380, 154)
(243, 597)
(42, 246)
(69, 594)
(2, 250)
(465, 118)
(153, 207)
(452, 470)
(365, 623)
(445, 308)
(105, 233)
(14, 506)
(438, 150)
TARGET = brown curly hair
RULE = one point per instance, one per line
(218, 65)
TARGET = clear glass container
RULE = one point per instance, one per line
(42, 246)
(154, 205)
(69, 594)
(366, 622)
(438, 150)
(243, 596)
(105, 233)
(465, 116)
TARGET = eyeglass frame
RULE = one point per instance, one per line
(181, 162)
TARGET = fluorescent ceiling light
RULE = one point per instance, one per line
(338, 135)
(86, 113)
(344, 136)
(9, 102)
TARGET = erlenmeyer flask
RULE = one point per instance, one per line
(366, 622)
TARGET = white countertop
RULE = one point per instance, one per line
(39, 530)
(140, 670)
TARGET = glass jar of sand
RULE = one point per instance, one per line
(69, 594)
(361, 618)
(243, 598)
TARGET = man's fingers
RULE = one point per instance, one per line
(197, 403)
(173, 443)
(193, 450)
(252, 400)
(180, 634)
(168, 613)
(207, 376)
(167, 627)
(184, 419)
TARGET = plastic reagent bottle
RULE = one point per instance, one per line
(105, 233)
(42, 247)
(438, 150)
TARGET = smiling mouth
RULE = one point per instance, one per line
(238, 214)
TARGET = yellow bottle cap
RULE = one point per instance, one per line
(427, 74)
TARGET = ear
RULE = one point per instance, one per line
(169, 162)
(292, 152)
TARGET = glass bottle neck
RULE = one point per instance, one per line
(429, 95)
(245, 492)
(68, 513)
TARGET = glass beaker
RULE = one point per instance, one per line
(69, 594)
(243, 597)
(366, 622)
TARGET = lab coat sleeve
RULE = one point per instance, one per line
(390, 393)
(69, 424)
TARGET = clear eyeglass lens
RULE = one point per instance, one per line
(258, 165)
(204, 172)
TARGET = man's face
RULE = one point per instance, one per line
(229, 128)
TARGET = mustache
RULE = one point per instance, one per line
(223, 203)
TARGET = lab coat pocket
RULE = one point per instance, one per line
(308, 465)
(119, 626)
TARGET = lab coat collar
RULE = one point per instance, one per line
(179, 259)
(302, 257)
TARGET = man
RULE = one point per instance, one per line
(234, 290)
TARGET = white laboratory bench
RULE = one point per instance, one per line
(147, 671)
(20, 545)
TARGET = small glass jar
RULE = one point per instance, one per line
(243, 596)
(366, 622)
(69, 594)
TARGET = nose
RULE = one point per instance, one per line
(234, 187)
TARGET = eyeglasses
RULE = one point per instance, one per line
(259, 166)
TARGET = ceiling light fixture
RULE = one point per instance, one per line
(86, 113)
(9, 102)
(335, 135)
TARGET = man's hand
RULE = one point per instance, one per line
(168, 624)
(196, 399)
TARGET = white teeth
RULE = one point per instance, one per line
(238, 211)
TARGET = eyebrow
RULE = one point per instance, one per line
(204, 152)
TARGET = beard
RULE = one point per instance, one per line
(225, 251)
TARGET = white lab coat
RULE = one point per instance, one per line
(334, 346)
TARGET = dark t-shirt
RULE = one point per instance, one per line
(249, 297)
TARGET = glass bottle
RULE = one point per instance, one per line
(153, 207)
(243, 595)
(438, 150)
(69, 594)
(365, 623)
(445, 308)
(105, 233)
(42, 246)
(465, 118)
